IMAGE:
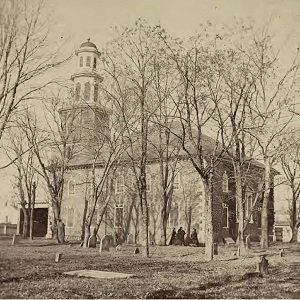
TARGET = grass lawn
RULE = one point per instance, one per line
(29, 271)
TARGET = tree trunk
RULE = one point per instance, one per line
(86, 204)
(209, 234)
(264, 242)
(32, 210)
(240, 209)
(25, 222)
(164, 230)
(87, 233)
(56, 217)
(189, 223)
(295, 229)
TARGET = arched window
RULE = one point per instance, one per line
(225, 183)
(70, 217)
(77, 91)
(120, 184)
(71, 187)
(88, 61)
(81, 62)
(87, 91)
(225, 216)
(96, 90)
(95, 63)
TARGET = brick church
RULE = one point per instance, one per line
(187, 205)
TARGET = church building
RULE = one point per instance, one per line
(122, 212)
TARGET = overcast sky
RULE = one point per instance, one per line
(76, 20)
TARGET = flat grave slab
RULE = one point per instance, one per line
(97, 274)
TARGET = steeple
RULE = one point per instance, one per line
(86, 77)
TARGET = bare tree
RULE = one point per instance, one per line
(53, 140)
(25, 176)
(129, 65)
(24, 36)
(290, 163)
(270, 111)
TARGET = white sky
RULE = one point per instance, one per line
(76, 20)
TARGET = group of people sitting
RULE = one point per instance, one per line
(177, 238)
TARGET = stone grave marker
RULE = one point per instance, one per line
(248, 242)
(16, 239)
(215, 248)
(136, 250)
(130, 238)
(92, 242)
(229, 241)
(58, 257)
(263, 265)
(119, 248)
(281, 252)
(238, 251)
(105, 243)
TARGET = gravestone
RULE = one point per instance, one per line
(229, 241)
(215, 248)
(119, 248)
(248, 242)
(92, 242)
(58, 257)
(281, 252)
(104, 243)
(16, 239)
(238, 251)
(136, 250)
(263, 265)
(130, 238)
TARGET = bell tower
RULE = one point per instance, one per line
(86, 78)
(87, 121)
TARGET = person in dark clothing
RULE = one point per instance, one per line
(180, 236)
(173, 236)
(194, 238)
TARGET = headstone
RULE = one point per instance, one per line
(58, 257)
(229, 241)
(15, 239)
(130, 238)
(263, 265)
(136, 250)
(248, 242)
(215, 247)
(92, 242)
(119, 248)
(238, 251)
(281, 252)
(104, 243)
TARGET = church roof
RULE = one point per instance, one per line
(88, 44)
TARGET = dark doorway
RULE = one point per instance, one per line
(40, 222)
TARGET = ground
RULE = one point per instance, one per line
(28, 270)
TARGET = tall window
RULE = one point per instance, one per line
(95, 63)
(249, 207)
(77, 91)
(120, 184)
(118, 215)
(81, 62)
(70, 217)
(96, 90)
(148, 184)
(225, 216)
(72, 188)
(87, 91)
(88, 61)
(225, 183)
(259, 217)
(176, 182)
